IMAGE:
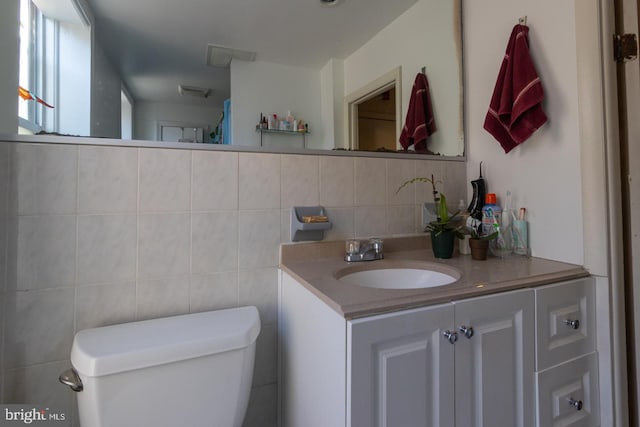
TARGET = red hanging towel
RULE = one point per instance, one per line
(515, 112)
(419, 124)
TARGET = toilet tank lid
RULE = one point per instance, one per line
(128, 346)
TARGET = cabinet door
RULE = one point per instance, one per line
(400, 369)
(566, 321)
(568, 394)
(494, 384)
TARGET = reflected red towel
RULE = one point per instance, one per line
(515, 112)
(419, 124)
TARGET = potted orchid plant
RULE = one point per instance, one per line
(446, 228)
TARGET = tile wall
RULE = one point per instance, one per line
(96, 235)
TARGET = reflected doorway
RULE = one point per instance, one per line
(377, 122)
(374, 114)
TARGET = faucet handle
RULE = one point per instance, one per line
(352, 247)
(377, 244)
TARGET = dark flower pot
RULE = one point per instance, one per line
(479, 249)
(442, 244)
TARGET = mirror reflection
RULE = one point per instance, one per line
(208, 72)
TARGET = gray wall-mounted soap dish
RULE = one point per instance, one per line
(308, 223)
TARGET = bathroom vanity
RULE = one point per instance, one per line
(510, 343)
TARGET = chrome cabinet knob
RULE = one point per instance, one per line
(466, 330)
(573, 324)
(575, 403)
(450, 336)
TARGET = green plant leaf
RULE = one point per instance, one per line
(443, 214)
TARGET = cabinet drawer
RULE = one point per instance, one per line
(565, 317)
(568, 394)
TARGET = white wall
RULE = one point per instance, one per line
(332, 102)
(263, 87)
(544, 173)
(147, 115)
(408, 42)
(9, 24)
(105, 96)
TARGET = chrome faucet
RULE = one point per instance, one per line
(367, 251)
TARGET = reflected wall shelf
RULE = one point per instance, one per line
(284, 132)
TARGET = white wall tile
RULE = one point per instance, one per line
(108, 179)
(263, 405)
(43, 252)
(2, 333)
(44, 179)
(103, 305)
(456, 184)
(214, 181)
(259, 181)
(266, 361)
(214, 242)
(106, 248)
(162, 297)
(39, 385)
(39, 326)
(4, 179)
(336, 181)
(401, 219)
(260, 288)
(285, 225)
(259, 239)
(165, 180)
(425, 168)
(206, 237)
(398, 172)
(4, 236)
(371, 221)
(300, 181)
(371, 181)
(4, 222)
(342, 224)
(163, 245)
(213, 291)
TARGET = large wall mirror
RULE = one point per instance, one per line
(200, 71)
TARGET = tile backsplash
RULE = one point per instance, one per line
(97, 235)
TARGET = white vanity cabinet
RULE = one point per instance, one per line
(567, 362)
(472, 362)
(400, 369)
(461, 364)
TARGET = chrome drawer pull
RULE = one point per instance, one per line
(575, 403)
(573, 324)
(450, 336)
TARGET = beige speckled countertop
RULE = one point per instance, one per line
(316, 266)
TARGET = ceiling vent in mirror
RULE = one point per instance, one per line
(200, 92)
(330, 3)
(219, 56)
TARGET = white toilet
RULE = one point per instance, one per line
(191, 370)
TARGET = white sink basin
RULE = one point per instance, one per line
(417, 276)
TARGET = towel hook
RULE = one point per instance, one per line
(522, 20)
(424, 70)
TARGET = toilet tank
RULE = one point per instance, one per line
(190, 370)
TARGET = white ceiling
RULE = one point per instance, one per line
(159, 44)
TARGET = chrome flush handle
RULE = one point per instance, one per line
(71, 378)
